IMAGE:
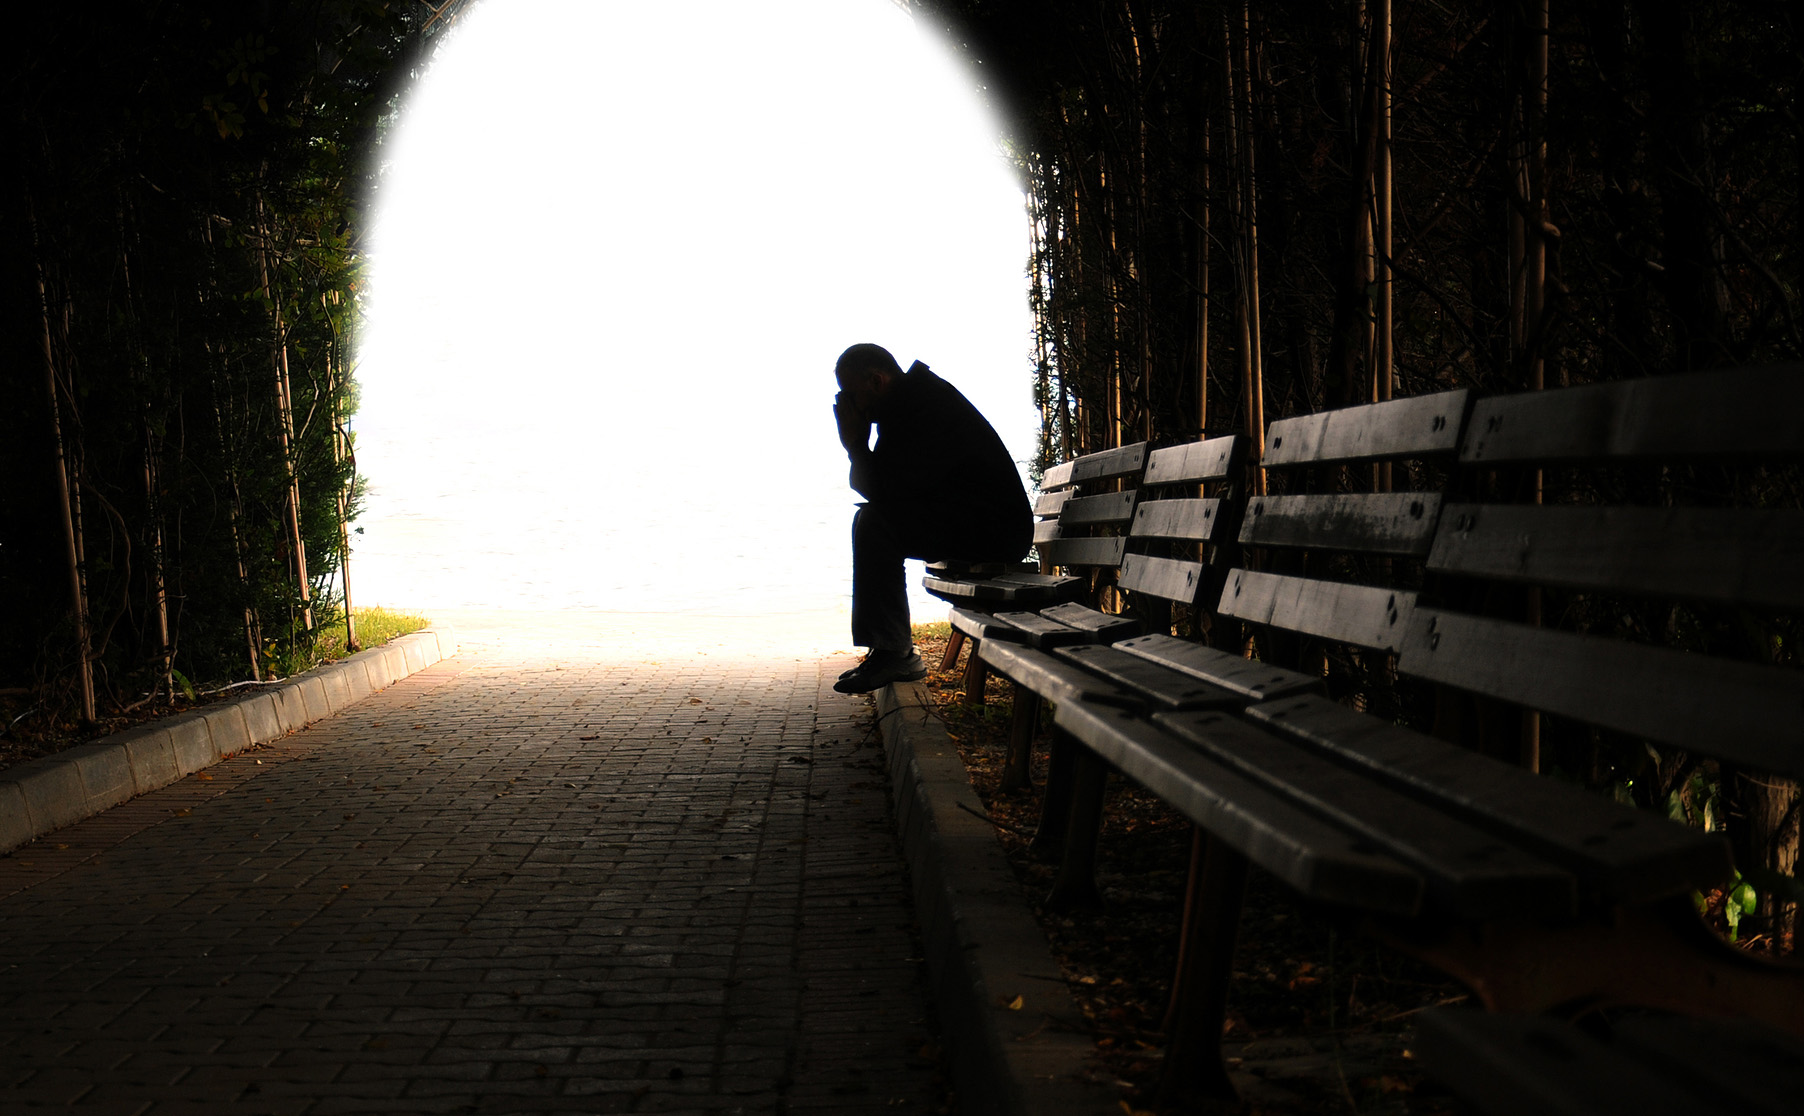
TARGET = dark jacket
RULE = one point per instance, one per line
(940, 468)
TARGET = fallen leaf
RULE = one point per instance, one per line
(1016, 1004)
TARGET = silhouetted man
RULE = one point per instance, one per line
(938, 485)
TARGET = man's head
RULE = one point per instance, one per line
(866, 373)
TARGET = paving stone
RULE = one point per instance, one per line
(548, 875)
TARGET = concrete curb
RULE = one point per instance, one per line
(50, 793)
(983, 947)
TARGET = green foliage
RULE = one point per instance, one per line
(195, 178)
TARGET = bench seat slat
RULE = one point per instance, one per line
(1736, 556)
(985, 625)
(1083, 552)
(1168, 688)
(1176, 519)
(1319, 859)
(1041, 632)
(1747, 713)
(1422, 425)
(1170, 578)
(1476, 874)
(1053, 678)
(1746, 412)
(1104, 626)
(1399, 523)
(1097, 511)
(1356, 614)
(1248, 677)
(1192, 462)
(1048, 589)
(1628, 855)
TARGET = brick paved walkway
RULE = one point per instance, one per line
(549, 875)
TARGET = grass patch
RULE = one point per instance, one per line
(375, 627)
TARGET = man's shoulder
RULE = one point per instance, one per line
(924, 383)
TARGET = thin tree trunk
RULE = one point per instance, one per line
(1384, 376)
(152, 499)
(285, 423)
(1528, 222)
(1252, 362)
(68, 493)
(341, 452)
(1202, 285)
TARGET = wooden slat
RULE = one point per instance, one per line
(1047, 589)
(1168, 689)
(1751, 557)
(1083, 552)
(1746, 412)
(1474, 874)
(1048, 504)
(1400, 523)
(1047, 531)
(984, 625)
(1506, 1065)
(1425, 424)
(1095, 511)
(1169, 578)
(1043, 633)
(1176, 519)
(1356, 614)
(1053, 678)
(1248, 677)
(1748, 713)
(1032, 583)
(1057, 477)
(1105, 626)
(1627, 855)
(1194, 462)
(1108, 464)
(1311, 855)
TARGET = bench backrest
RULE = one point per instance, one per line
(1311, 579)
(1672, 582)
(1177, 535)
(1665, 574)
(1084, 505)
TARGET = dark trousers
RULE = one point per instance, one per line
(881, 539)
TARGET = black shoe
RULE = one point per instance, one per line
(879, 669)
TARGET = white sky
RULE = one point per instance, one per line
(617, 253)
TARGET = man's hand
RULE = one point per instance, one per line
(854, 425)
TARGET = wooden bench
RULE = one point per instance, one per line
(1082, 508)
(1453, 597)
(1176, 551)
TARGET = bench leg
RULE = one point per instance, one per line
(1193, 1067)
(976, 673)
(1075, 886)
(1055, 803)
(950, 658)
(1023, 719)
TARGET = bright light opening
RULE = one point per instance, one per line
(617, 254)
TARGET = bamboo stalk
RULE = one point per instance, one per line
(68, 493)
(285, 423)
